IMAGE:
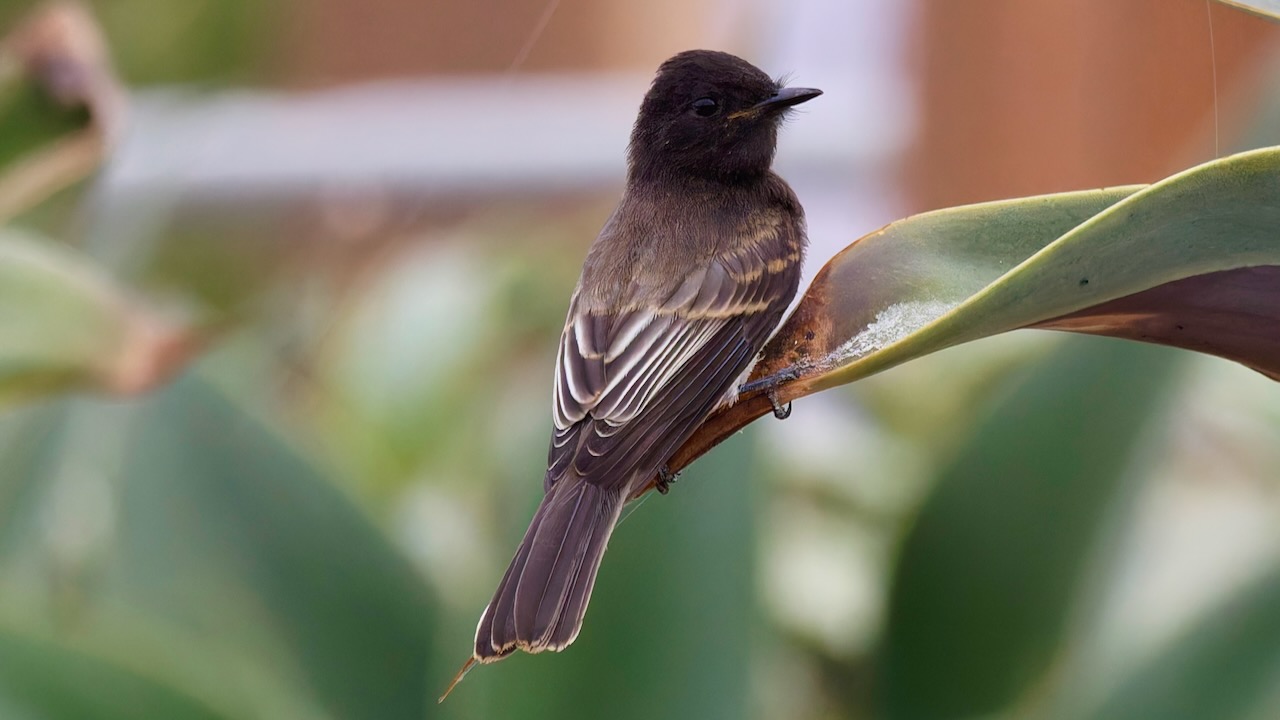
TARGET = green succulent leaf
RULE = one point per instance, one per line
(992, 570)
(213, 555)
(1192, 261)
(46, 679)
(64, 326)
(224, 501)
(1227, 666)
(1207, 237)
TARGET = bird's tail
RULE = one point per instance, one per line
(540, 603)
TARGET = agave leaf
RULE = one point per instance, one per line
(65, 326)
(44, 678)
(996, 563)
(1230, 313)
(1224, 666)
(1221, 216)
(1190, 261)
(274, 559)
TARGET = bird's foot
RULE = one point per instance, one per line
(666, 479)
(772, 382)
(780, 411)
(770, 385)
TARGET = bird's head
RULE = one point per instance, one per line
(710, 114)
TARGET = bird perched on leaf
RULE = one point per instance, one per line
(688, 279)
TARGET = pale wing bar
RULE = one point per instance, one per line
(613, 369)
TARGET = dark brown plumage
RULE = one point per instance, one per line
(683, 286)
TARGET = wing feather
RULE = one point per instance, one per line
(631, 385)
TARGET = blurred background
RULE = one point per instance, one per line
(382, 207)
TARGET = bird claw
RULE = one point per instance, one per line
(780, 411)
(666, 479)
(770, 385)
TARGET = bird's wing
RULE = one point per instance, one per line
(633, 384)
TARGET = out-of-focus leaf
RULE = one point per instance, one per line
(1190, 261)
(45, 680)
(64, 326)
(989, 574)
(60, 104)
(1225, 668)
(29, 444)
(230, 531)
(1269, 9)
(251, 573)
(678, 576)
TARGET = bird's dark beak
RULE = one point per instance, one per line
(788, 97)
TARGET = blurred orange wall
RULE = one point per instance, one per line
(336, 41)
(1021, 97)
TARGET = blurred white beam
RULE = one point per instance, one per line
(452, 136)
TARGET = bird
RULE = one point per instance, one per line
(686, 281)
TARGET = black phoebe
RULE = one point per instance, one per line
(685, 283)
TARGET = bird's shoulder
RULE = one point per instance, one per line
(657, 241)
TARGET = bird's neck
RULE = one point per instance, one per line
(670, 180)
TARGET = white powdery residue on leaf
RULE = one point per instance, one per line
(891, 325)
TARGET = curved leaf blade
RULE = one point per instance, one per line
(928, 282)
(1227, 666)
(990, 574)
(52, 681)
(1230, 313)
(64, 326)
(1218, 216)
(917, 269)
(215, 496)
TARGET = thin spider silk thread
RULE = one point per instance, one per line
(534, 35)
(1213, 63)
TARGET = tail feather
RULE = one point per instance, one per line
(542, 599)
(488, 647)
(545, 585)
(574, 608)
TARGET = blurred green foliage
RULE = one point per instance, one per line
(180, 41)
(989, 574)
(29, 119)
(219, 532)
(43, 679)
(1224, 667)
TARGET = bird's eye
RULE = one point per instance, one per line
(705, 107)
